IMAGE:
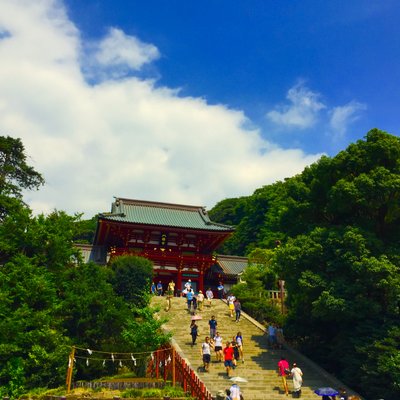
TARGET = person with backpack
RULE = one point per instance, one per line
(284, 371)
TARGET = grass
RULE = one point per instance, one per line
(168, 391)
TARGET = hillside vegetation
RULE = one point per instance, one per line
(50, 300)
(333, 234)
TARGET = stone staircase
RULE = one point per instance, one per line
(260, 366)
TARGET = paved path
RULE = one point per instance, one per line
(260, 366)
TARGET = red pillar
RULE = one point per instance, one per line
(201, 278)
(179, 280)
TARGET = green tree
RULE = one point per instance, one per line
(15, 174)
(255, 282)
(91, 312)
(32, 343)
(132, 279)
(143, 332)
(339, 225)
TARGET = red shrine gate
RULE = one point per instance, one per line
(179, 239)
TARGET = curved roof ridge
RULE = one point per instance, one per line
(159, 204)
(162, 214)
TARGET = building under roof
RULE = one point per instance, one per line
(180, 240)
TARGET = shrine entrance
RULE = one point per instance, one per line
(180, 240)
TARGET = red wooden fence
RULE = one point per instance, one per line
(167, 364)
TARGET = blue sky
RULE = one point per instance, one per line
(249, 54)
(190, 102)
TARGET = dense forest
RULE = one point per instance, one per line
(50, 300)
(332, 233)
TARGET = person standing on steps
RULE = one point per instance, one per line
(210, 296)
(194, 303)
(159, 288)
(189, 299)
(171, 288)
(213, 326)
(230, 300)
(239, 341)
(221, 291)
(218, 347)
(238, 309)
(297, 376)
(187, 287)
(283, 371)
(228, 358)
(206, 354)
(272, 336)
(235, 392)
(153, 288)
(200, 300)
(193, 332)
(236, 354)
(280, 339)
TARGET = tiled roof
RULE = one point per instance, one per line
(232, 265)
(164, 214)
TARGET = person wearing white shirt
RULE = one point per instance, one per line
(297, 376)
(218, 347)
(235, 392)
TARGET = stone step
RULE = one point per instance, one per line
(260, 367)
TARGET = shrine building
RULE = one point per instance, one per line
(180, 240)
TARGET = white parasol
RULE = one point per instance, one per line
(238, 379)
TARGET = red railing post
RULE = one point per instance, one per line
(173, 367)
(181, 372)
(157, 361)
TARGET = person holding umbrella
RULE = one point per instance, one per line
(235, 391)
(327, 393)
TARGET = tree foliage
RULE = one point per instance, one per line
(15, 174)
(49, 299)
(132, 279)
(339, 225)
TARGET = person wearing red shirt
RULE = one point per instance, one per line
(228, 357)
(283, 371)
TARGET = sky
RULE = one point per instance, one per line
(190, 102)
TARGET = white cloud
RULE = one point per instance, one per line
(117, 55)
(120, 137)
(342, 116)
(302, 110)
(120, 49)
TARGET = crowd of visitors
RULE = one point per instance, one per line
(230, 352)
